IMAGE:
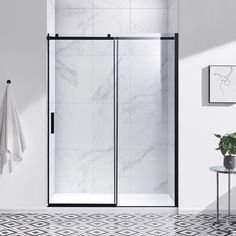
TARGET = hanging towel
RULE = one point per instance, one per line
(12, 141)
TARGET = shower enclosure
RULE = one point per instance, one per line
(112, 120)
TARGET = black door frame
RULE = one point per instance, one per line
(115, 81)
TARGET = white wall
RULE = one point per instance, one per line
(23, 60)
(207, 36)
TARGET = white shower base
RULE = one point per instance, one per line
(123, 199)
(145, 200)
(82, 198)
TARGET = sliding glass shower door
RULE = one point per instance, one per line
(83, 115)
(112, 121)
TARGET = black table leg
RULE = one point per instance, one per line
(217, 198)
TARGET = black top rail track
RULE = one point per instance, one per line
(108, 37)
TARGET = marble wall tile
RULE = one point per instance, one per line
(111, 4)
(148, 171)
(103, 79)
(74, 21)
(52, 70)
(103, 126)
(171, 120)
(74, 4)
(124, 79)
(103, 171)
(146, 48)
(164, 65)
(146, 126)
(73, 79)
(165, 87)
(145, 79)
(74, 47)
(73, 126)
(124, 122)
(106, 47)
(142, 4)
(149, 21)
(110, 21)
(74, 171)
(171, 170)
(124, 47)
(51, 174)
(103, 48)
(124, 171)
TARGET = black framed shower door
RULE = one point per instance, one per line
(56, 115)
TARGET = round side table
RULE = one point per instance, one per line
(221, 224)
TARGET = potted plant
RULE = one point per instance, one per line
(227, 146)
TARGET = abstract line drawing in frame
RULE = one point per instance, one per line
(222, 84)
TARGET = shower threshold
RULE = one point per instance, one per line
(123, 199)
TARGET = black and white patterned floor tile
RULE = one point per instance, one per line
(105, 224)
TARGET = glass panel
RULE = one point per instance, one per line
(146, 123)
(84, 122)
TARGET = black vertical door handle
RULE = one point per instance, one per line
(52, 123)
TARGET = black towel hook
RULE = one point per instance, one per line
(8, 81)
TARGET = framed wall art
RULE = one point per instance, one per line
(222, 84)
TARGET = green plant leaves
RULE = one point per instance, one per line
(218, 135)
(227, 144)
(223, 151)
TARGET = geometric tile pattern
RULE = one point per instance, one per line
(108, 224)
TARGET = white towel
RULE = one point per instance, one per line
(12, 141)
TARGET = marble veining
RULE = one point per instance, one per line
(103, 171)
(71, 166)
(153, 167)
(148, 20)
(104, 91)
(68, 73)
(136, 160)
(111, 21)
(103, 78)
(74, 126)
(73, 48)
(73, 79)
(74, 21)
(103, 126)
